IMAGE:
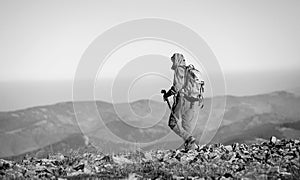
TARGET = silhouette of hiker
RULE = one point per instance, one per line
(183, 109)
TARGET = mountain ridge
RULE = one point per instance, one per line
(140, 121)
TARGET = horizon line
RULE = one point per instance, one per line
(104, 101)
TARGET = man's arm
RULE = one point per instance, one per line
(178, 81)
(179, 77)
(170, 92)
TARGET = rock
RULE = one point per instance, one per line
(262, 177)
(121, 160)
(212, 155)
(147, 157)
(87, 170)
(76, 173)
(273, 140)
(177, 177)
(108, 166)
(5, 164)
(239, 161)
(228, 175)
(235, 146)
(187, 158)
(134, 176)
(285, 173)
(229, 148)
(57, 157)
(105, 159)
(61, 178)
(79, 167)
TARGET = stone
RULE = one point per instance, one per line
(229, 148)
(177, 177)
(256, 161)
(79, 167)
(147, 157)
(121, 160)
(285, 173)
(273, 139)
(5, 164)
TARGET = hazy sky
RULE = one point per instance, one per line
(256, 42)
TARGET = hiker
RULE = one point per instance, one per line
(184, 108)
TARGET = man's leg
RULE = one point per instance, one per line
(175, 117)
(188, 122)
(188, 117)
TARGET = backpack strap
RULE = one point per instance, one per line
(185, 75)
(200, 96)
(187, 68)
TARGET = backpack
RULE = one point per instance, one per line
(194, 85)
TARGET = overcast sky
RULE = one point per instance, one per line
(254, 41)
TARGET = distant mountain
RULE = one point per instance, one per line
(122, 125)
(34, 128)
(257, 117)
(295, 91)
(260, 117)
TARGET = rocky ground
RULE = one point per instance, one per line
(274, 159)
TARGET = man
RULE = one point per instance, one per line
(183, 108)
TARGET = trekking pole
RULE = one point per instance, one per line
(164, 92)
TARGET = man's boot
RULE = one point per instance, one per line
(190, 143)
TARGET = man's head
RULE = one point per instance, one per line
(177, 60)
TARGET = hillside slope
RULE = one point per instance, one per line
(274, 159)
(245, 119)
